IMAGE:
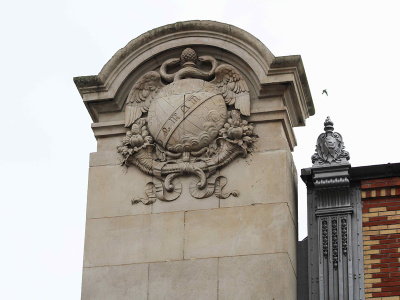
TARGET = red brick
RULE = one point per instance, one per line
(373, 219)
(374, 247)
(381, 284)
(394, 255)
(373, 200)
(381, 275)
(397, 245)
(380, 294)
(375, 256)
(380, 184)
(392, 203)
(394, 236)
(378, 266)
(393, 208)
(386, 284)
(378, 237)
(365, 224)
(392, 265)
(392, 241)
(365, 186)
(392, 288)
(371, 181)
(370, 205)
(388, 222)
(388, 260)
(384, 270)
(390, 279)
(388, 251)
(395, 274)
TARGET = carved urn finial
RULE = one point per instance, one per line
(328, 125)
(188, 58)
(330, 147)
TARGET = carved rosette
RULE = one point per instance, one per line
(330, 147)
(194, 125)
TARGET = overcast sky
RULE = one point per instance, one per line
(350, 48)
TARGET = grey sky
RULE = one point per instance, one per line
(350, 48)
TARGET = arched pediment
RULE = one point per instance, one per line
(107, 91)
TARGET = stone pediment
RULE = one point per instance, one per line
(265, 74)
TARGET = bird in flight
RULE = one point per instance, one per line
(325, 92)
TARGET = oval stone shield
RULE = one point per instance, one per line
(186, 116)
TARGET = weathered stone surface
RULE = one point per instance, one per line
(116, 282)
(271, 136)
(111, 189)
(268, 276)
(105, 158)
(267, 177)
(190, 279)
(108, 143)
(134, 239)
(245, 230)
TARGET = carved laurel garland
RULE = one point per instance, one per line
(195, 125)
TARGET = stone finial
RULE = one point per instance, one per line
(330, 147)
(188, 57)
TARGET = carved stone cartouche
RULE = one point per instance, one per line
(192, 126)
(330, 147)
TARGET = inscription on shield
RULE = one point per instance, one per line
(186, 122)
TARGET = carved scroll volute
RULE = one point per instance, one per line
(201, 127)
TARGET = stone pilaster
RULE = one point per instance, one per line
(334, 222)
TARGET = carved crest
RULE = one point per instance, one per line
(330, 147)
(193, 125)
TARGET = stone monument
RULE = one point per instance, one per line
(193, 190)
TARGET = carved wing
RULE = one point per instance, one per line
(140, 96)
(233, 88)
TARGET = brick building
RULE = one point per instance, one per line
(353, 246)
(381, 235)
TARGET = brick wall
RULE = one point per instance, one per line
(381, 235)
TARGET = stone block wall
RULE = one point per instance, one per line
(234, 248)
(381, 237)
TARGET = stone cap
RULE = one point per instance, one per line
(270, 70)
(329, 149)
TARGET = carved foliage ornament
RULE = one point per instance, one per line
(330, 147)
(193, 125)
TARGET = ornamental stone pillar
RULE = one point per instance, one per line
(193, 190)
(335, 261)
